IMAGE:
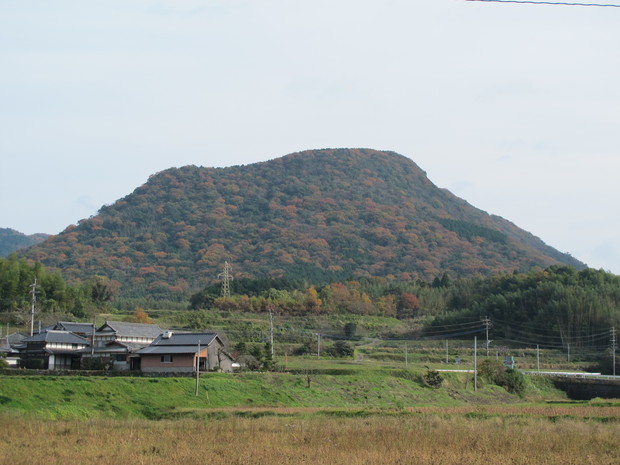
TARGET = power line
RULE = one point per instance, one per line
(534, 2)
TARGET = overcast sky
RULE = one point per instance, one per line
(513, 107)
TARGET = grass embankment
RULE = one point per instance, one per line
(338, 413)
(337, 385)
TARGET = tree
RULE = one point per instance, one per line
(140, 316)
(349, 330)
(312, 301)
(268, 362)
(408, 305)
(100, 292)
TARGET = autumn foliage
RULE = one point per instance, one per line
(325, 215)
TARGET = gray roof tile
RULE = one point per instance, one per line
(121, 328)
(184, 339)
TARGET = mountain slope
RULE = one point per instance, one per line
(315, 214)
(11, 240)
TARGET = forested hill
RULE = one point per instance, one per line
(11, 240)
(316, 215)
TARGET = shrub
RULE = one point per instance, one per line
(96, 364)
(432, 378)
(493, 371)
(33, 364)
(303, 349)
(341, 349)
(515, 381)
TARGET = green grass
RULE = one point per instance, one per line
(310, 384)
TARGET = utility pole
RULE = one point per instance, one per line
(568, 353)
(92, 338)
(475, 363)
(271, 331)
(198, 367)
(226, 277)
(318, 349)
(614, 347)
(447, 354)
(538, 357)
(406, 357)
(33, 299)
(487, 325)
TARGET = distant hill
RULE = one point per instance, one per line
(312, 215)
(11, 241)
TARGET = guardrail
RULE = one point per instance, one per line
(571, 374)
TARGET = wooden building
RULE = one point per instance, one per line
(181, 352)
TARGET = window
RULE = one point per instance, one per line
(166, 359)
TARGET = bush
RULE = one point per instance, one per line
(515, 381)
(340, 349)
(249, 362)
(432, 378)
(303, 349)
(95, 364)
(493, 371)
(33, 364)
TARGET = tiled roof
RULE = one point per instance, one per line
(84, 328)
(121, 328)
(12, 340)
(65, 337)
(184, 339)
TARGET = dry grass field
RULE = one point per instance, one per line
(497, 435)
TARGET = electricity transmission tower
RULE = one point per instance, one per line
(226, 277)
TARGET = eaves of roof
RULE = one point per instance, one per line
(162, 350)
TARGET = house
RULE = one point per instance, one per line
(53, 350)
(116, 343)
(81, 329)
(178, 352)
(120, 331)
(10, 346)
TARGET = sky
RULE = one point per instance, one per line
(512, 107)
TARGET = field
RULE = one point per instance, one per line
(333, 412)
(372, 408)
(499, 435)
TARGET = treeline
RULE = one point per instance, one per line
(556, 307)
(371, 296)
(52, 293)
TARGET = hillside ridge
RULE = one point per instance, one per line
(12, 240)
(315, 215)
